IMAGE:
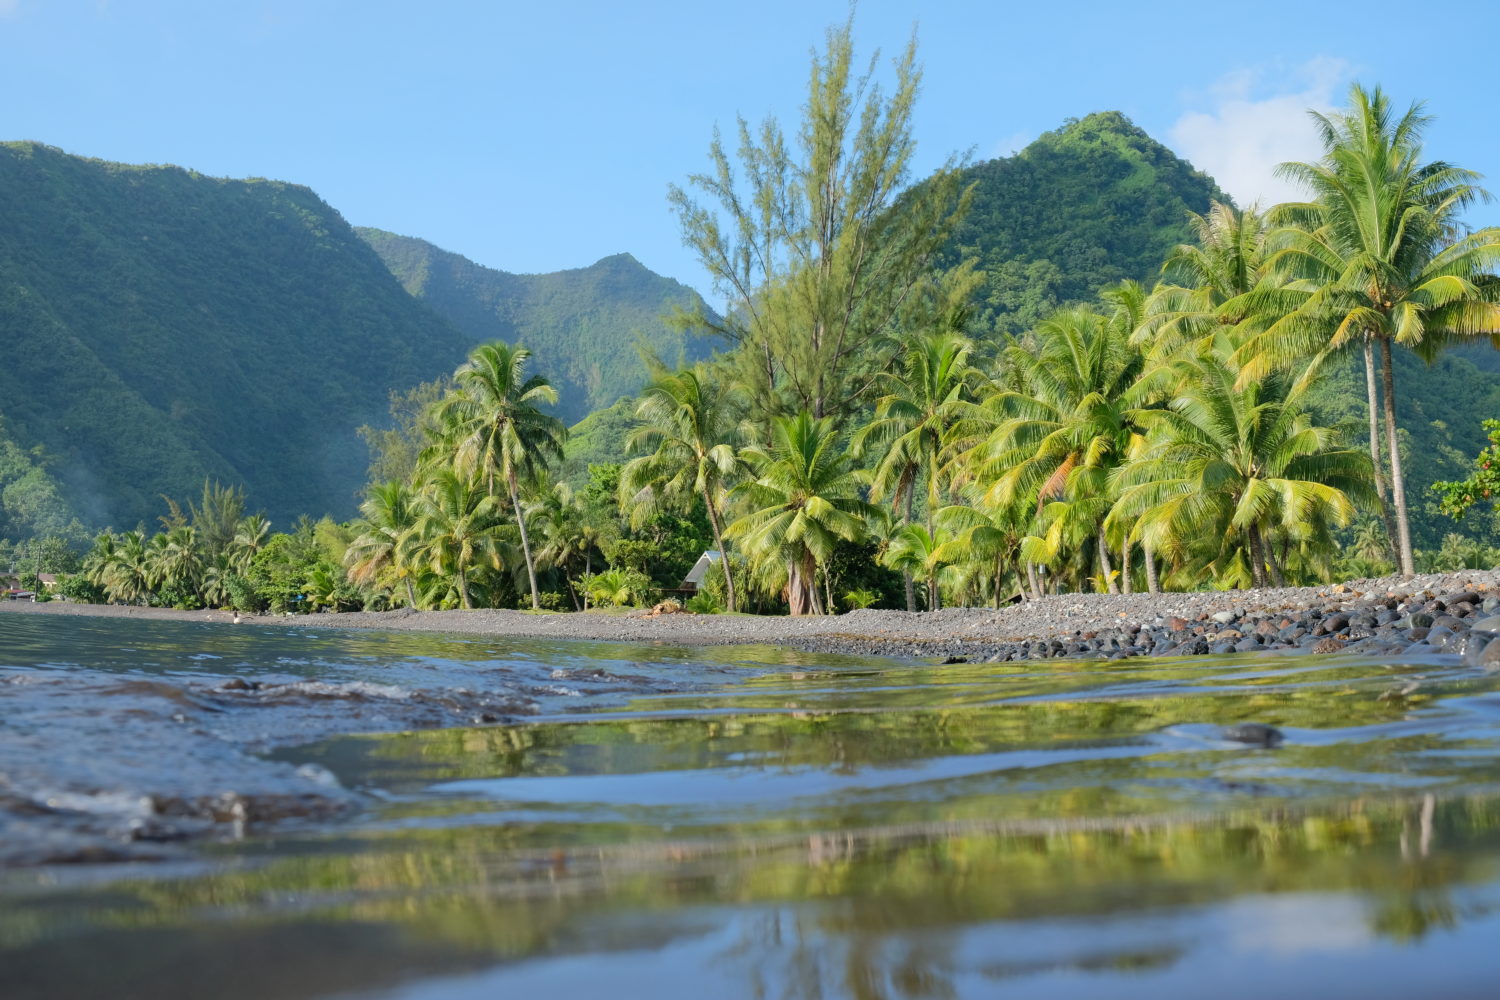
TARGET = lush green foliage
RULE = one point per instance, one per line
(824, 266)
(187, 326)
(1482, 483)
(1091, 204)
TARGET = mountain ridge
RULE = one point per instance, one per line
(580, 346)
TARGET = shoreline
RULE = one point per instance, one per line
(1421, 615)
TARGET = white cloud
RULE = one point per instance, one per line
(1257, 118)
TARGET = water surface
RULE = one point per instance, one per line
(650, 821)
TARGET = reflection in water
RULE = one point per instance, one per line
(1060, 830)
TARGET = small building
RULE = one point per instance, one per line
(694, 579)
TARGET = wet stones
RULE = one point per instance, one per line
(1328, 644)
(1331, 624)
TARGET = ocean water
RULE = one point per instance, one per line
(203, 810)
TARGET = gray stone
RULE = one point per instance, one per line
(1254, 733)
(1223, 617)
(1474, 647)
(1490, 624)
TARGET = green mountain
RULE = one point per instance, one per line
(582, 325)
(1099, 200)
(160, 326)
(1088, 205)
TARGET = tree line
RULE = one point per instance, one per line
(854, 446)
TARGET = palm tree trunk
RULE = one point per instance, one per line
(713, 521)
(1257, 559)
(1372, 409)
(906, 577)
(1125, 564)
(828, 592)
(797, 588)
(1398, 485)
(1036, 587)
(1105, 569)
(1153, 582)
(515, 504)
(411, 595)
(1277, 577)
(999, 578)
(463, 588)
(588, 571)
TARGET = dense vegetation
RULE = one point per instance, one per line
(1091, 204)
(585, 326)
(875, 435)
(161, 327)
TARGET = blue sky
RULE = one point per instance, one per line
(533, 137)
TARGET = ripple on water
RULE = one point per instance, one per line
(720, 822)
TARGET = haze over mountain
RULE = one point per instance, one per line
(582, 325)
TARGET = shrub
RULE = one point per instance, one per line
(80, 588)
(704, 604)
(860, 598)
(242, 595)
(618, 587)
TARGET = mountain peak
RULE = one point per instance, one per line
(1091, 203)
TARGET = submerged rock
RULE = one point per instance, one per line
(1254, 733)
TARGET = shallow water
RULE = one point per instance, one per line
(649, 821)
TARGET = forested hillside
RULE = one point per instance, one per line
(1092, 203)
(582, 325)
(1098, 201)
(161, 326)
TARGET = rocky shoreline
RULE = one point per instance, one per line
(1450, 614)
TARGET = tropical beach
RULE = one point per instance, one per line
(974, 529)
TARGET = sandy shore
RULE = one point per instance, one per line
(970, 632)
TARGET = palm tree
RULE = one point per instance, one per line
(495, 430)
(102, 555)
(453, 529)
(1066, 422)
(689, 424)
(249, 538)
(1227, 278)
(175, 560)
(912, 423)
(1232, 466)
(922, 554)
(1379, 259)
(127, 575)
(803, 500)
(389, 513)
(566, 539)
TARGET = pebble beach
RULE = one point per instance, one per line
(1438, 614)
